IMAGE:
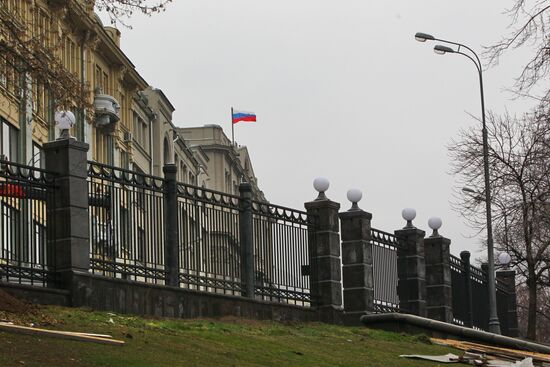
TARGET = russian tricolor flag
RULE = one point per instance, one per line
(243, 116)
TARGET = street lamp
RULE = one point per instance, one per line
(494, 325)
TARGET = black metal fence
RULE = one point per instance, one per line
(126, 211)
(471, 297)
(26, 198)
(210, 249)
(384, 263)
(280, 237)
(130, 239)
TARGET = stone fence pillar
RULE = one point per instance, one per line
(411, 270)
(508, 277)
(247, 241)
(357, 271)
(465, 257)
(171, 240)
(324, 251)
(439, 295)
(70, 226)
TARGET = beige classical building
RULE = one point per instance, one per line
(132, 126)
(227, 165)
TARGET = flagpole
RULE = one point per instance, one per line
(232, 128)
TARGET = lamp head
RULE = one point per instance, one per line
(354, 195)
(423, 37)
(321, 184)
(408, 214)
(504, 258)
(442, 50)
(435, 223)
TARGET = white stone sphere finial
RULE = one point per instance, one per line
(435, 223)
(504, 258)
(64, 120)
(408, 214)
(354, 196)
(321, 184)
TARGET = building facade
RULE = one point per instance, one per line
(131, 125)
(228, 165)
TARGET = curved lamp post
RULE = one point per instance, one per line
(494, 325)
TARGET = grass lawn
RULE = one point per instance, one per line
(226, 342)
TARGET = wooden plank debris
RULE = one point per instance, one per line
(494, 352)
(71, 335)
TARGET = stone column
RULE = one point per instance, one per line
(508, 277)
(439, 295)
(465, 257)
(247, 241)
(324, 253)
(411, 270)
(357, 272)
(171, 240)
(70, 224)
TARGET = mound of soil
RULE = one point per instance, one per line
(9, 303)
(20, 312)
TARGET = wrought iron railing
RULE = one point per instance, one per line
(384, 262)
(463, 276)
(26, 199)
(210, 249)
(126, 213)
(280, 237)
(461, 308)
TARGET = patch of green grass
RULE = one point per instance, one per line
(228, 342)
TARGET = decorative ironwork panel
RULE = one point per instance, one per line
(126, 224)
(26, 200)
(210, 249)
(280, 238)
(384, 264)
(459, 290)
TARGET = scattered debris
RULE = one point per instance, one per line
(472, 359)
(497, 353)
(95, 338)
(447, 358)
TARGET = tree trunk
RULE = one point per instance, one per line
(532, 312)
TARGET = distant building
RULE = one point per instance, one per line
(132, 126)
(227, 165)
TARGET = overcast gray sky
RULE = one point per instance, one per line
(341, 89)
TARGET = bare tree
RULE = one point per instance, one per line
(530, 24)
(31, 53)
(519, 156)
(120, 10)
(543, 311)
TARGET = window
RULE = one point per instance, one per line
(140, 197)
(38, 254)
(141, 250)
(37, 159)
(103, 147)
(183, 172)
(9, 231)
(141, 131)
(101, 79)
(9, 142)
(3, 72)
(124, 159)
(125, 229)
